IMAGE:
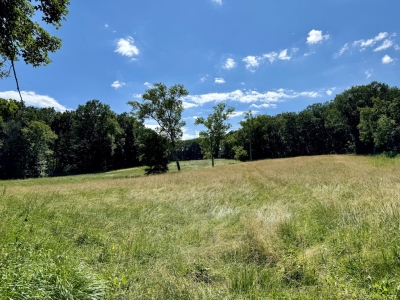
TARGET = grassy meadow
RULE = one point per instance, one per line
(323, 227)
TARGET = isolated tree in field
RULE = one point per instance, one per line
(21, 37)
(216, 129)
(164, 105)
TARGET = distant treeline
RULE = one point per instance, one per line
(363, 119)
(38, 142)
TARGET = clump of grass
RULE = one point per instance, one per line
(39, 274)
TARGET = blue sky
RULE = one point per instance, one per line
(267, 56)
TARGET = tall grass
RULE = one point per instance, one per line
(322, 227)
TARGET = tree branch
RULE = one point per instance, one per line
(16, 79)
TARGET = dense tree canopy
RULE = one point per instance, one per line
(40, 141)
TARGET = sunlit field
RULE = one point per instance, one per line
(323, 227)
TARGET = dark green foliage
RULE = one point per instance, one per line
(95, 130)
(154, 149)
(90, 139)
(240, 153)
(359, 120)
(363, 119)
(126, 153)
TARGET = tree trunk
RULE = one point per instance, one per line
(212, 160)
(251, 152)
(178, 166)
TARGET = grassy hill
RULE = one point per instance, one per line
(323, 227)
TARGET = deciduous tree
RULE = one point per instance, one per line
(22, 37)
(164, 105)
(216, 129)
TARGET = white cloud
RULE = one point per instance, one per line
(249, 96)
(219, 80)
(309, 53)
(33, 99)
(341, 51)
(126, 47)
(217, 1)
(106, 25)
(252, 62)
(204, 78)
(316, 36)
(148, 84)
(329, 92)
(283, 55)
(265, 105)
(272, 56)
(387, 59)
(189, 136)
(368, 73)
(229, 64)
(188, 104)
(116, 84)
(152, 126)
(370, 42)
(238, 114)
(386, 44)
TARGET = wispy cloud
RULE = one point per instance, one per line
(329, 92)
(254, 97)
(283, 55)
(370, 42)
(116, 84)
(386, 44)
(219, 2)
(368, 73)
(188, 104)
(341, 51)
(265, 105)
(33, 99)
(396, 47)
(252, 62)
(126, 47)
(387, 59)
(106, 25)
(272, 56)
(219, 80)
(148, 84)
(229, 64)
(316, 36)
(309, 53)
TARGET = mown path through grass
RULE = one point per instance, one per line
(322, 227)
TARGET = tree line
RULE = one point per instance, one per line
(363, 119)
(37, 142)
